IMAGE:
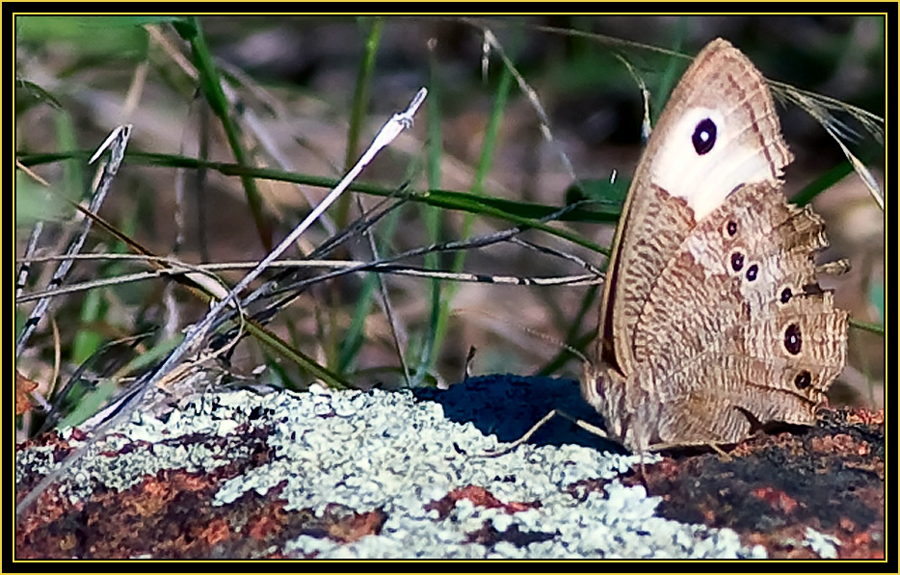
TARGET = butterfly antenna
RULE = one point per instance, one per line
(530, 331)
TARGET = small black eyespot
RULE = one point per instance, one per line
(792, 340)
(751, 272)
(731, 228)
(803, 379)
(786, 295)
(704, 137)
(737, 261)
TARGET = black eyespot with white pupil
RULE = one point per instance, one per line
(786, 295)
(792, 339)
(803, 379)
(737, 261)
(751, 272)
(704, 137)
(731, 228)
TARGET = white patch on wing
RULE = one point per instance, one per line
(704, 181)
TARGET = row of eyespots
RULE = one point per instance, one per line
(793, 340)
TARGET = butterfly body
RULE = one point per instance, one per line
(712, 321)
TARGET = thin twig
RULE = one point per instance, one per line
(396, 329)
(116, 142)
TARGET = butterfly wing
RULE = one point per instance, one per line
(694, 346)
(736, 329)
(719, 130)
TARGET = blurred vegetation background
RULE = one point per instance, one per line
(303, 97)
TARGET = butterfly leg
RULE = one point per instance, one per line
(723, 455)
(512, 446)
(579, 422)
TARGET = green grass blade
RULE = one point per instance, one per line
(211, 83)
